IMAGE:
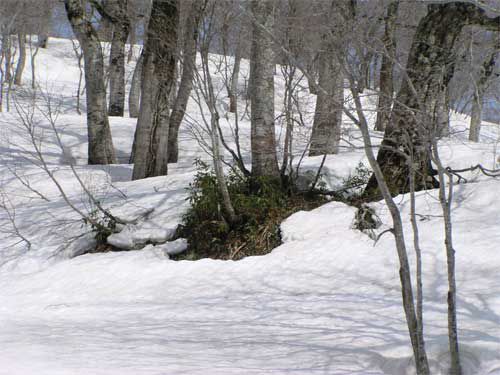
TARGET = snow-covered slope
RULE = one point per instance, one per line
(327, 301)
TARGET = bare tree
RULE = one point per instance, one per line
(100, 149)
(262, 65)
(480, 86)
(21, 62)
(158, 75)
(185, 85)
(386, 70)
(115, 12)
(134, 97)
(326, 132)
(429, 69)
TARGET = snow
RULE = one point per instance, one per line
(327, 301)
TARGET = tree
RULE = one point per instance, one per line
(386, 70)
(115, 12)
(134, 96)
(327, 123)
(429, 69)
(480, 86)
(100, 148)
(186, 83)
(262, 64)
(158, 75)
(21, 62)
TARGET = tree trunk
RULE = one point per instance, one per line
(412, 319)
(43, 40)
(21, 63)
(442, 115)
(235, 75)
(7, 56)
(117, 71)
(158, 74)
(132, 42)
(429, 69)
(386, 70)
(327, 123)
(100, 148)
(478, 98)
(445, 201)
(7, 70)
(115, 12)
(134, 97)
(263, 137)
(186, 84)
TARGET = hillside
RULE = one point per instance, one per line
(327, 301)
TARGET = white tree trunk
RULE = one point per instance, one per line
(263, 138)
(100, 149)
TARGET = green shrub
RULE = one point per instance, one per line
(355, 183)
(261, 204)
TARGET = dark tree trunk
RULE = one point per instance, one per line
(429, 69)
(263, 137)
(117, 71)
(134, 97)
(158, 74)
(386, 70)
(186, 84)
(100, 149)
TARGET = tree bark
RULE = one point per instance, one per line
(100, 148)
(386, 70)
(327, 123)
(263, 137)
(21, 62)
(7, 56)
(233, 96)
(117, 72)
(478, 96)
(158, 74)
(429, 69)
(186, 84)
(115, 11)
(134, 97)
(442, 115)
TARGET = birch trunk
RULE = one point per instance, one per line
(134, 97)
(117, 71)
(327, 123)
(235, 75)
(478, 98)
(386, 70)
(445, 200)
(412, 318)
(100, 148)
(21, 63)
(263, 138)
(115, 18)
(186, 84)
(158, 74)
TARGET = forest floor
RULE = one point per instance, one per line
(327, 301)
